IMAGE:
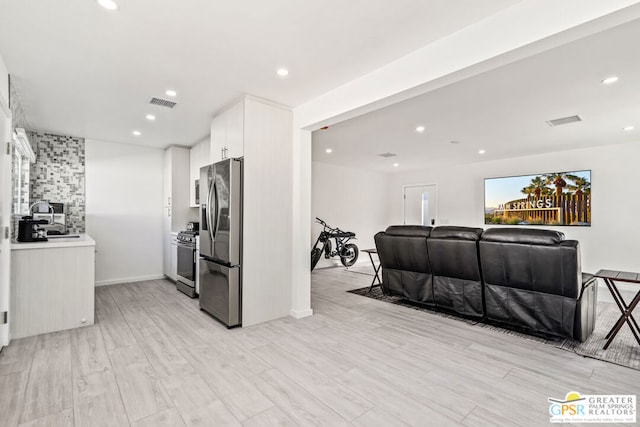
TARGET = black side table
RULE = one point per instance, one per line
(610, 278)
(376, 268)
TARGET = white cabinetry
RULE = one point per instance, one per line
(198, 157)
(52, 285)
(176, 210)
(218, 137)
(235, 130)
(227, 133)
(261, 133)
(176, 187)
(171, 261)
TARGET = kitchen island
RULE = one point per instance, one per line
(52, 285)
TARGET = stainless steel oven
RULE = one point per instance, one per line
(187, 260)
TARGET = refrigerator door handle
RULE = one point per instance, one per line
(216, 212)
(209, 211)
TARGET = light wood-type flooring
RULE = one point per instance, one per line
(154, 359)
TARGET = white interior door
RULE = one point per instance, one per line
(420, 204)
(5, 215)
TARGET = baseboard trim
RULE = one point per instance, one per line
(128, 280)
(299, 314)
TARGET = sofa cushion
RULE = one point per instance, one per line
(453, 252)
(551, 269)
(408, 230)
(403, 252)
(452, 232)
(519, 235)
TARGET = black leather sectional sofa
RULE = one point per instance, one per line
(526, 278)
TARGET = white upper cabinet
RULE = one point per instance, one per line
(235, 130)
(218, 137)
(176, 188)
(227, 133)
(166, 183)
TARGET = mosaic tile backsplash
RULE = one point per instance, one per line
(58, 175)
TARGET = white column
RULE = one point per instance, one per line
(301, 224)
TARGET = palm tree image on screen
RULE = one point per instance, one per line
(562, 198)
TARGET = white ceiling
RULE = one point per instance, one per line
(84, 71)
(503, 111)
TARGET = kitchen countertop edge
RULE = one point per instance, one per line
(58, 242)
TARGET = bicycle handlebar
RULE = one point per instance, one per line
(319, 221)
(326, 226)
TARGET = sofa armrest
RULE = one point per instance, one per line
(587, 280)
(586, 308)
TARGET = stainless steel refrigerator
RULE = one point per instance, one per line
(221, 241)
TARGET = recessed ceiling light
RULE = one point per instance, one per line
(171, 93)
(420, 129)
(481, 151)
(609, 80)
(628, 128)
(137, 133)
(150, 117)
(283, 72)
(395, 165)
(108, 4)
(328, 150)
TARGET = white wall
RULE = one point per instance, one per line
(610, 242)
(351, 199)
(124, 210)
(4, 82)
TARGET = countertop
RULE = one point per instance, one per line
(56, 242)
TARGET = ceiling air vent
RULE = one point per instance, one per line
(162, 102)
(387, 155)
(564, 121)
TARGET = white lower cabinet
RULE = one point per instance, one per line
(170, 253)
(174, 259)
(52, 286)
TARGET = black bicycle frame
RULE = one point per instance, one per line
(328, 233)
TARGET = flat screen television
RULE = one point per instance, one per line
(558, 198)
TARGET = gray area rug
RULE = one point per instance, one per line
(624, 350)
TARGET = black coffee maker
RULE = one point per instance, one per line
(28, 230)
